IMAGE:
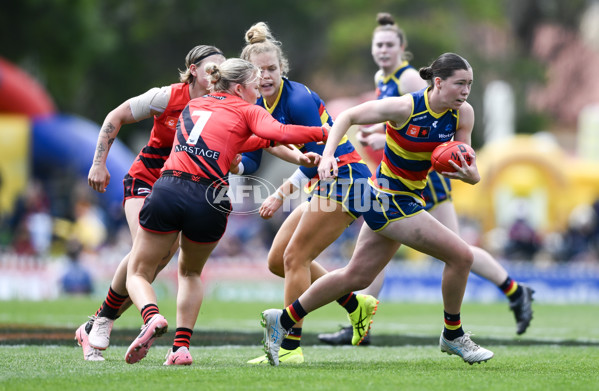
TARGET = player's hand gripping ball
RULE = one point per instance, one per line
(450, 151)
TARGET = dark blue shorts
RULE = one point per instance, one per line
(135, 188)
(199, 210)
(385, 208)
(437, 190)
(347, 189)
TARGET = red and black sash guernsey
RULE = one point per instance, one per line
(151, 158)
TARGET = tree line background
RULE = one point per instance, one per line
(91, 55)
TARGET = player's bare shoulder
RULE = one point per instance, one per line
(398, 108)
(467, 109)
(466, 116)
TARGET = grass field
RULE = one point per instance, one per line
(560, 351)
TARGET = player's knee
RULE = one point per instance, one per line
(358, 279)
(275, 265)
(462, 258)
(468, 257)
(293, 259)
(362, 282)
(190, 273)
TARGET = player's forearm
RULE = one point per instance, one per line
(288, 153)
(285, 190)
(336, 133)
(110, 129)
(108, 132)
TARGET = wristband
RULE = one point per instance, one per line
(298, 178)
(279, 195)
(240, 168)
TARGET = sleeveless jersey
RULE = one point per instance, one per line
(297, 104)
(389, 86)
(407, 156)
(152, 156)
(214, 128)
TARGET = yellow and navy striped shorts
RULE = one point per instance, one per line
(347, 189)
(385, 208)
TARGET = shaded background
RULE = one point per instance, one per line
(92, 55)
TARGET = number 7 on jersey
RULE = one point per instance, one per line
(194, 135)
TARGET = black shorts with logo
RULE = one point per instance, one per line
(135, 188)
(197, 209)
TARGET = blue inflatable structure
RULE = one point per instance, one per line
(69, 142)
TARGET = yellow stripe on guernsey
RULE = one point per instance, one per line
(274, 105)
(392, 75)
(402, 153)
(405, 154)
(279, 94)
(324, 116)
(412, 185)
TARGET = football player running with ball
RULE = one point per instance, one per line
(396, 77)
(396, 215)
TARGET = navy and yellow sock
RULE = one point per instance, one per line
(293, 339)
(511, 289)
(292, 314)
(182, 338)
(453, 326)
(349, 302)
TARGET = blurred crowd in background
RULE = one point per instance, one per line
(87, 243)
(34, 231)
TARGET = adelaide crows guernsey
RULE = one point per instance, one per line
(407, 156)
(389, 86)
(297, 104)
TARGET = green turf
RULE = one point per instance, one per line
(368, 368)
(560, 322)
(560, 351)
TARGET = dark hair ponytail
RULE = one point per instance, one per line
(444, 66)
